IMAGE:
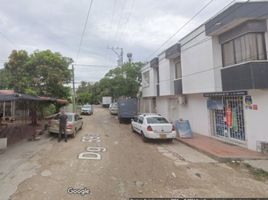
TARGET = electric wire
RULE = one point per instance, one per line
(84, 30)
(180, 29)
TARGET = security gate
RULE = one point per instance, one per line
(229, 121)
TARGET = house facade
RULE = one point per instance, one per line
(217, 77)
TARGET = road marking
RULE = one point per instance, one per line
(91, 152)
(89, 156)
(96, 149)
(91, 139)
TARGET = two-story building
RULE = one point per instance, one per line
(217, 77)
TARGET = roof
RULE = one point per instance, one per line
(7, 92)
(235, 15)
(17, 96)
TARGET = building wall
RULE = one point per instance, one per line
(162, 106)
(195, 110)
(266, 40)
(256, 120)
(149, 90)
(165, 79)
(199, 62)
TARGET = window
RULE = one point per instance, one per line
(140, 120)
(250, 46)
(146, 79)
(157, 120)
(178, 73)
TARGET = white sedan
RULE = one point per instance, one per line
(153, 126)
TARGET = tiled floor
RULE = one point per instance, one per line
(221, 150)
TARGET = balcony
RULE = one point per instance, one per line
(173, 51)
(250, 75)
(178, 86)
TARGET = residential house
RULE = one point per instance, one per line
(217, 79)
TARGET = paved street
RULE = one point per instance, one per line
(127, 167)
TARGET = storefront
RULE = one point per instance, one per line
(227, 115)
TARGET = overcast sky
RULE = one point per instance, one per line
(137, 26)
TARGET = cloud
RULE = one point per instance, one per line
(138, 26)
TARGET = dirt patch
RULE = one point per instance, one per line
(257, 174)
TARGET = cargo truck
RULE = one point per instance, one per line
(127, 109)
(106, 101)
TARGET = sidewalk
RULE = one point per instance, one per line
(220, 150)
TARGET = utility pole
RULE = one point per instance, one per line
(120, 55)
(74, 106)
(129, 56)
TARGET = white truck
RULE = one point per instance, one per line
(106, 101)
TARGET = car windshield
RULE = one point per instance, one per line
(157, 120)
(87, 106)
(70, 117)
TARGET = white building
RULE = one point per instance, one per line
(216, 77)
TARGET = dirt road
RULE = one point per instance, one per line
(128, 168)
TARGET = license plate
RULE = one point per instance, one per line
(162, 135)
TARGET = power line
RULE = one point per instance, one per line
(120, 19)
(91, 65)
(125, 25)
(224, 16)
(206, 39)
(185, 24)
(84, 30)
(7, 39)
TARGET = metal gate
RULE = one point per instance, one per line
(221, 127)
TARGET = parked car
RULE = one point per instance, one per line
(113, 108)
(153, 126)
(127, 108)
(87, 110)
(74, 124)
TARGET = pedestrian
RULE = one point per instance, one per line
(62, 125)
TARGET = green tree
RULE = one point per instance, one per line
(42, 73)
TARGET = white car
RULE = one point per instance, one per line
(87, 110)
(153, 126)
(113, 108)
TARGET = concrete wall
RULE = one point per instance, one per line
(256, 121)
(197, 113)
(162, 106)
(149, 90)
(199, 62)
(165, 73)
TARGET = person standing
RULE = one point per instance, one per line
(62, 125)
